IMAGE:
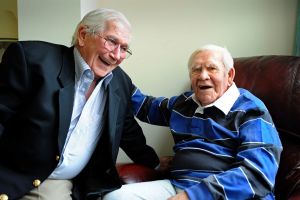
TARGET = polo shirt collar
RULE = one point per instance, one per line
(224, 103)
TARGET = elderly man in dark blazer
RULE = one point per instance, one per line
(64, 113)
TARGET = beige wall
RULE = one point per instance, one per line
(165, 34)
(8, 23)
(51, 20)
(8, 19)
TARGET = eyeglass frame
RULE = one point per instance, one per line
(114, 45)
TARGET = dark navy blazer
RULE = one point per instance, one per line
(36, 101)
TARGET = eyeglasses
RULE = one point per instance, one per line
(112, 45)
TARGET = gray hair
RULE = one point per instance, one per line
(95, 21)
(226, 56)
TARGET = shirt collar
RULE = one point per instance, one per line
(224, 103)
(107, 79)
(80, 65)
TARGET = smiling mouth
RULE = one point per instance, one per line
(205, 87)
(104, 62)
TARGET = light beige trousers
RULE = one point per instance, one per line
(51, 189)
(152, 190)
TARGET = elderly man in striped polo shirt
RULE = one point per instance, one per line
(226, 144)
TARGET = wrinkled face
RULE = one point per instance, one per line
(209, 77)
(93, 50)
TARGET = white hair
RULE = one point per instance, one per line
(226, 56)
(96, 20)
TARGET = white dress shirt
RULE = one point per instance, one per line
(86, 122)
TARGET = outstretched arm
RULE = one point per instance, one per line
(152, 110)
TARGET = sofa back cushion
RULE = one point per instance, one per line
(276, 81)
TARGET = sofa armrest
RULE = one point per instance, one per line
(134, 173)
(295, 195)
(292, 180)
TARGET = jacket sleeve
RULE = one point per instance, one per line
(13, 82)
(134, 144)
(133, 140)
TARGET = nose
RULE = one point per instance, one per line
(116, 53)
(204, 75)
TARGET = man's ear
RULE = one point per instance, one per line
(231, 75)
(81, 35)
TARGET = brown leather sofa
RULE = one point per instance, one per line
(276, 81)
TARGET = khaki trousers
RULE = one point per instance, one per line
(51, 189)
(151, 190)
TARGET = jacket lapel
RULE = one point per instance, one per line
(66, 95)
(113, 108)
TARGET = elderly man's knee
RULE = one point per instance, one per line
(120, 194)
